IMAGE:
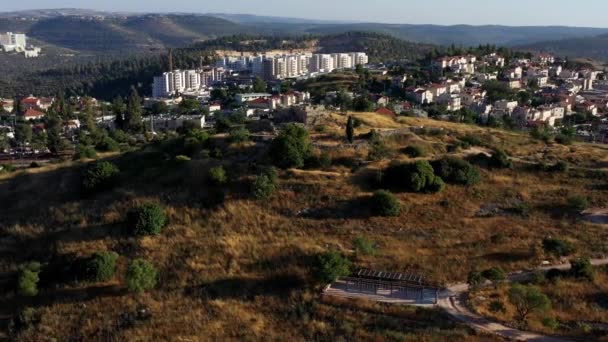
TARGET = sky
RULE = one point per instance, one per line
(588, 13)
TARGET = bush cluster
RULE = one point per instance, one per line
(384, 203)
(141, 276)
(331, 266)
(414, 177)
(414, 151)
(558, 247)
(85, 152)
(99, 176)
(265, 184)
(456, 171)
(148, 219)
(102, 266)
(27, 284)
(291, 148)
(217, 176)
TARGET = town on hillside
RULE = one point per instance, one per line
(540, 93)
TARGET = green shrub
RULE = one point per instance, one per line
(551, 323)
(141, 276)
(99, 176)
(34, 165)
(85, 152)
(119, 135)
(414, 151)
(265, 184)
(102, 266)
(558, 247)
(470, 140)
(27, 283)
(239, 135)
(325, 160)
(218, 176)
(107, 144)
(494, 274)
(385, 203)
(415, 177)
(578, 203)
(365, 246)
(148, 219)
(456, 171)
(7, 168)
(331, 266)
(497, 306)
(500, 160)
(581, 269)
(291, 148)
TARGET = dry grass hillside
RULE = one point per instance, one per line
(240, 269)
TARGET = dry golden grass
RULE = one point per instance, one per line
(216, 263)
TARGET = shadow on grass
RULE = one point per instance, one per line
(350, 209)
(248, 288)
(514, 256)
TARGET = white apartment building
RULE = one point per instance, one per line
(13, 41)
(179, 81)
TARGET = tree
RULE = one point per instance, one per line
(141, 276)
(384, 203)
(148, 219)
(133, 118)
(102, 266)
(259, 86)
(27, 284)
(23, 133)
(343, 100)
(528, 300)
(291, 148)
(189, 106)
(350, 129)
(362, 104)
(55, 140)
(330, 266)
(39, 141)
(119, 109)
(89, 115)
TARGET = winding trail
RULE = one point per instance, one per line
(451, 300)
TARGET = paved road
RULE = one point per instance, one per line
(451, 300)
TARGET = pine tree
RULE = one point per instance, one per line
(350, 129)
(133, 115)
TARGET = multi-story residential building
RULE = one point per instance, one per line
(13, 41)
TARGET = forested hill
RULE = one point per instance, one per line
(595, 47)
(380, 47)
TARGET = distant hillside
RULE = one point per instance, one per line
(114, 34)
(595, 47)
(110, 32)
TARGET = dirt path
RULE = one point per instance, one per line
(451, 300)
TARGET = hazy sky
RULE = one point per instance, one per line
(507, 12)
